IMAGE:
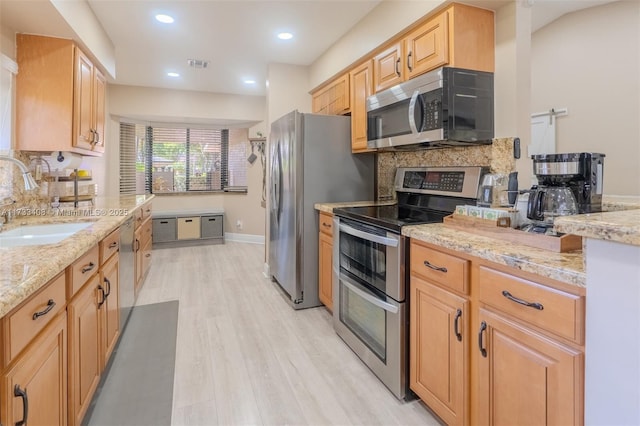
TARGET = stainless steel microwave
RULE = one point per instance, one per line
(444, 107)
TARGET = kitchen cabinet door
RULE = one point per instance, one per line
(110, 310)
(83, 90)
(427, 47)
(38, 380)
(84, 348)
(99, 93)
(438, 350)
(361, 82)
(325, 274)
(526, 378)
(332, 98)
(388, 67)
(60, 97)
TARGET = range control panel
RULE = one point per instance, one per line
(455, 181)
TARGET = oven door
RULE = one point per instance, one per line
(371, 255)
(371, 323)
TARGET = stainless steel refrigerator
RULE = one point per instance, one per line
(310, 162)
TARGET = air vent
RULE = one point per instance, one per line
(198, 63)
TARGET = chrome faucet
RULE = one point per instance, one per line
(29, 182)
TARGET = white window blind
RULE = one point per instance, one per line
(166, 159)
(133, 159)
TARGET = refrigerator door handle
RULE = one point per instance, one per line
(275, 181)
(278, 183)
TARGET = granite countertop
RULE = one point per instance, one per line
(328, 207)
(26, 269)
(618, 226)
(564, 267)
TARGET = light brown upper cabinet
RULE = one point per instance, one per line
(60, 97)
(361, 81)
(459, 36)
(332, 98)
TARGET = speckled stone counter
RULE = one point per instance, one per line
(618, 226)
(564, 267)
(612, 203)
(328, 207)
(24, 270)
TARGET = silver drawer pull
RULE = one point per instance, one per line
(434, 267)
(534, 305)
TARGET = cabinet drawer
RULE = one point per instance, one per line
(188, 228)
(24, 323)
(326, 223)
(550, 309)
(439, 267)
(83, 269)
(109, 245)
(211, 227)
(164, 229)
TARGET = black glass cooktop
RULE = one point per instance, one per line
(392, 218)
(411, 209)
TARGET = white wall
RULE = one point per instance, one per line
(588, 61)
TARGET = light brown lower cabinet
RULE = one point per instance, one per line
(325, 259)
(507, 351)
(94, 323)
(84, 355)
(55, 345)
(438, 371)
(110, 312)
(526, 378)
(37, 379)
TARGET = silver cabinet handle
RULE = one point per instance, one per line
(353, 286)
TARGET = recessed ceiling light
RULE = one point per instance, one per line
(285, 36)
(165, 19)
(249, 81)
(173, 74)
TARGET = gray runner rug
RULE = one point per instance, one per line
(138, 387)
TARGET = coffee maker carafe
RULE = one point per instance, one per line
(581, 172)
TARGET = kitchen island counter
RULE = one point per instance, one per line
(25, 269)
(616, 226)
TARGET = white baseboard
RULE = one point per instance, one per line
(244, 238)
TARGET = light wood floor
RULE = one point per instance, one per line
(246, 357)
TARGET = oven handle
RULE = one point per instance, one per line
(366, 295)
(392, 242)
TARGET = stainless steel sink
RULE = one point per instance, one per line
(32, 235)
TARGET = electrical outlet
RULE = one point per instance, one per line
(239, 224)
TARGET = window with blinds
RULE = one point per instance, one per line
(133, 159)
(180, 159)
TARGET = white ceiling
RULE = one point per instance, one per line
(238, 37)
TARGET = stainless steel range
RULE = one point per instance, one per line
(371, 268)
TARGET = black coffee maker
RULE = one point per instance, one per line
(582, 172)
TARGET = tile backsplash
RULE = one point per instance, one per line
(498, 156)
